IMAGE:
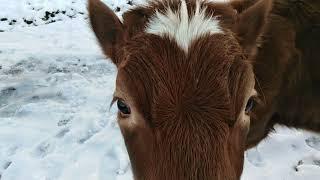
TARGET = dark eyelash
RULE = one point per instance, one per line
(258, 100)
(114, 100)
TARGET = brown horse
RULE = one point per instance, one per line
(199, 82)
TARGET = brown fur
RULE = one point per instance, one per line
(286, 69)
(187, 118)
(189, 110)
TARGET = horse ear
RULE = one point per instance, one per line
(107, 28)
(252, 19)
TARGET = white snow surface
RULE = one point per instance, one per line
(55, 122)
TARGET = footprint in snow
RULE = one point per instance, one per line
(5, 94)
(25, 65)
(254, 157)
(52, 69)
(7, 91)
(7, 165)
(62, 133)
(44, 149)
(310, 160)
(313, 142)
(63, 122)
(85, 138)
(14, 71)
(88, 136)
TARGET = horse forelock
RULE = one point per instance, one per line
(183, 25)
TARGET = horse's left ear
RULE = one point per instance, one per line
(107, 27)
(252, 18)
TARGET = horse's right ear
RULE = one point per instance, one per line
(107, 28)
(252, 18)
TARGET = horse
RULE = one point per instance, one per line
(199, 82)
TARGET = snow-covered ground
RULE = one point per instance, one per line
(55, 91)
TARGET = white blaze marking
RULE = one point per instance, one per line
(182, 28)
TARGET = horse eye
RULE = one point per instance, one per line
(250, 105)
(123, 107)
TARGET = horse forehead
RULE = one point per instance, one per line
(184, 27)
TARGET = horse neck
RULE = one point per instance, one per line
(283, 74)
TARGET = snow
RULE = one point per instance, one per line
(55, 92)
(24, 13)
